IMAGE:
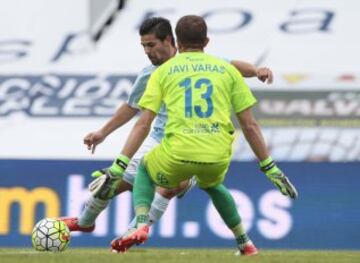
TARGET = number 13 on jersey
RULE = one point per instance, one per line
(189, 86)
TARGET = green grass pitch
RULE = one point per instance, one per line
(99, 255)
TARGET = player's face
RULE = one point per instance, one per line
(157, 51)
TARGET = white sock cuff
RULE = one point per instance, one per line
(160, 202)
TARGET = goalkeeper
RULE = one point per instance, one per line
(159, 45)
(199, 92)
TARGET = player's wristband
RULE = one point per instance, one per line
(267, 165)
(119, 165)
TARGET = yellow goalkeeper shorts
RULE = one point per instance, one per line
(168, 172)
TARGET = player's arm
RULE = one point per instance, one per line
(242, 102)
(138, 134)
(150, 103)
(123, 114)
(257, 143)
(105, 186)
(249, 70)
(252, 133)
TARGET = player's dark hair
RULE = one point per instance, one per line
(158, 26)
(191, 31)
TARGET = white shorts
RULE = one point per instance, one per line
(130, 172)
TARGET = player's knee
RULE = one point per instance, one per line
(170, 193)
(166, 193)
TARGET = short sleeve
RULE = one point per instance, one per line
(138, 87)
(152, 98)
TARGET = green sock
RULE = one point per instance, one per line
(143, 195)
(225, 205)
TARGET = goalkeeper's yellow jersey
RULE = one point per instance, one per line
(199, 92)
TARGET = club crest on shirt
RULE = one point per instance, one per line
(161, 179)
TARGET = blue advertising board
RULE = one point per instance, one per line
(326, 215)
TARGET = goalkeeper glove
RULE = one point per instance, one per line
(100, 172)
(278, 178)
(114, 169)
(106, 184)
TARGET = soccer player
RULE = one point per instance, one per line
(199, 92)
(159, 45)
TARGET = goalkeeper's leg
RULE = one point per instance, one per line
(94, 206)
(225, 205)
(143, 195)
(162, 195)
(161, 201)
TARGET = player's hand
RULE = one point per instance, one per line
(104, 187)
(264, 74)
(106, 184)
(278, 178)
(93, 139)
(100, 172)
(283, 184)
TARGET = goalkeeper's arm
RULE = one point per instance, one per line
(104, 186)
(253, 134)
(257, 143)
